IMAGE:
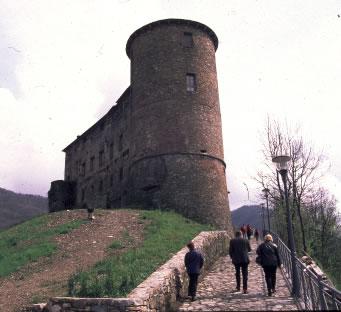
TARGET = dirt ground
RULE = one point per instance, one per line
(77, 250)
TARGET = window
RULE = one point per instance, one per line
(120, 142)
(83, 194)
(121, 174)
(83, 169)
(92, 162)
(83, 143)
(190, 82)
(125, 153)
(188, 40)
(101, 158)
(111, 150)
(111, 180)
(100, 186)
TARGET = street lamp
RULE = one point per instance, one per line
(262, 205)
(266, 192)
(282, 167)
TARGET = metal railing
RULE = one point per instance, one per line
(314, 293)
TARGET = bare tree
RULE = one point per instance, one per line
(302, 174)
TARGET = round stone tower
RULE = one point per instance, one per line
(176, 134)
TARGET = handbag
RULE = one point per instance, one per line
(259, 260)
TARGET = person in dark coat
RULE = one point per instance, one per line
(193, 262)
(256, 235)
(239, 249)
(243, 230)
(248, 231)
(270, 260)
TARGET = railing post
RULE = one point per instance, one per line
(323, 304)
(335, 307)
(312, 293)
(304, 289)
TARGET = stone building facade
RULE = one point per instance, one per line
(161, 145)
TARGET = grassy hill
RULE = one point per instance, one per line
(63, 253)
(16, 208)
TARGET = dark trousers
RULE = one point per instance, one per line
(193, 283)
(244, 267)
(270, 277)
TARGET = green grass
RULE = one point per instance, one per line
(28, 241)
(116, 276)
(116, 245)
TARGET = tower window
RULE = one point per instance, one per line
(121, 174)
(190, 82)
(100, 186)
(188, 40)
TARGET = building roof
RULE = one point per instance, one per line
(173, 21)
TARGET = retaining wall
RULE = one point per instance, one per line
(161, 291)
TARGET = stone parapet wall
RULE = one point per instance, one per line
(161, 291)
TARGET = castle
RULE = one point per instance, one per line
(160, 146)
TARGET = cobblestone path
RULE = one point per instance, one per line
(216, 291)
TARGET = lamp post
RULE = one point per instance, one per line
(262, 205)
(282, 167)
(266, 192)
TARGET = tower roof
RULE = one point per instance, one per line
(172, 21)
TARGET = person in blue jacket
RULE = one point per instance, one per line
(193, 262)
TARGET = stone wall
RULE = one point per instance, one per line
(61, 195)
(161, 291)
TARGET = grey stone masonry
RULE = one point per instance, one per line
(168, 285)
(216, 292)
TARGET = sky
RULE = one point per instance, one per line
(63, 65)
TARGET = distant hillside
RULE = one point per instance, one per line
(16, 208)
(247, 215)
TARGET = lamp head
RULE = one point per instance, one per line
(281, 162)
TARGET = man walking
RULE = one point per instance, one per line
(239, 249)
(193, 262)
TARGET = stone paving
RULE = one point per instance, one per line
(216, 291)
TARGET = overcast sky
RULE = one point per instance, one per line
(63, 65)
